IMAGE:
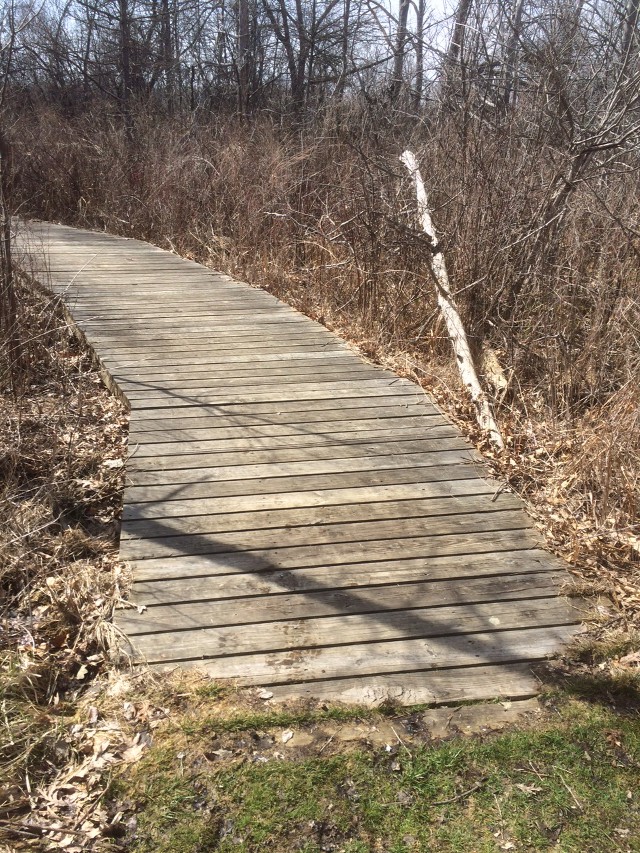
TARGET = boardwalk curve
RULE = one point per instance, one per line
(295, 517)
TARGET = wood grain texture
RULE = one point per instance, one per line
(295, 516)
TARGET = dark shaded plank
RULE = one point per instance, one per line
(325, 499)
(306, 633)
(419, 511)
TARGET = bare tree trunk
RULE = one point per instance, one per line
(344, 51)
(511, 53)
(454, 53)
(417, 93)
(630, 26)
(167, 56)
(8, 301)
(454, 67)
(401, 45)
(449, 310)
(125, 66)
(86, 82)
(243, 57)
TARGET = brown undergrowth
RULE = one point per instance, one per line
(63, 444)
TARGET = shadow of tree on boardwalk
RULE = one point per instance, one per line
(528, 588)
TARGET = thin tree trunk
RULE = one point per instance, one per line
(454, 53)
(167, 56)
(125, 66)
(417, 94)
(344, 51)
(8, 302)
(630, 26)
(511, 53)
(449, 310)
(401, 44)
(454, 65)
(243, 57)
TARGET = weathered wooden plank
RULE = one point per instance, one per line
(369, 627)
(204, 299)
(215, 473)
(392, 656)
(302, 483)
(418, 510)
(294, 411)
(248, 373)
(168, 331)
(149, 444)
(151, 360)
(456, 569)
(233, 311)
(380, 603)
(297, 393)
(322, 498)
(139, 350)
(245, 429)
(219, 325)
(140, 387)
(170, 541)
(249, 380)
(434, 687)
(332, 554)
(311, 453)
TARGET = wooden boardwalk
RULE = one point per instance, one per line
(296, 517)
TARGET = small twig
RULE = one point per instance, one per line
(498, 492)
(579, 805)
(325, 745)
(452, 715)
(463, 795)
(32, 829)
(399, 739)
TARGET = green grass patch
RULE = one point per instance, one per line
(273, 719)
(568, 784)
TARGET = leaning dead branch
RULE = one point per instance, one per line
(449, 310)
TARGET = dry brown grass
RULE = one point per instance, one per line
(60, 577)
